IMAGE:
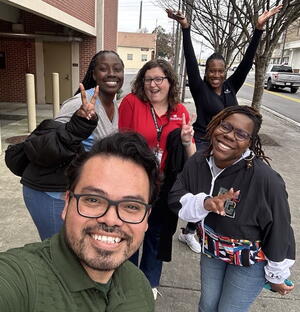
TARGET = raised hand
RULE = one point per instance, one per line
(262, 19)
(179, 17)
(216, 204)
(187, 131)
(87, 109)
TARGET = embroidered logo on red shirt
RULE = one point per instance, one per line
(175, 117)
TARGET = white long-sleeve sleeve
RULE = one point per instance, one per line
(277, 272)
(192, 207)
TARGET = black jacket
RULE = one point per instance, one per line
(174, 164)
(261, 214)
(207, 102)
(51, 148)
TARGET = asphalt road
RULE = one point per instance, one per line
(282, 101)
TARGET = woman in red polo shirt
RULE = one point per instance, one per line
(153, 110)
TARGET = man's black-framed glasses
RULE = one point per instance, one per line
(157, 80)
(239, 134)
(96, 206)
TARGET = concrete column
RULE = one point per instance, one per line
(75, 66)
(30, 99)
(0, 141)
(55, 94)
(99, 12)
(40, 77)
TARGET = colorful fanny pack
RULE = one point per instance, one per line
(233, 251)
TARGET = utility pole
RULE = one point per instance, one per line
(177, 43)
(283, 46)
(141, 12)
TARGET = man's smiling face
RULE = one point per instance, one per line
(103, 244)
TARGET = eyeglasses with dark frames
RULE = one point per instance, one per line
(239, 134)
(96, 206)
(157, 80)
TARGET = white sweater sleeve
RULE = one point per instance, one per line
(192, 207)
(277, 272)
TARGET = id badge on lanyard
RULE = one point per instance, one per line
(158, 153)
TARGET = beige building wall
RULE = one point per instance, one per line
(135, 58)
(291, 48)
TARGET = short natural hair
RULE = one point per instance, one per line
(138, 84)
(253, 114)
(127, 145)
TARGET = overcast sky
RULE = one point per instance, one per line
(152, 16)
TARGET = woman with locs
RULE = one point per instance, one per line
(241, 208)
(214, 92)
(88, 116)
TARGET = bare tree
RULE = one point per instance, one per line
(274, 29)
(216, 22)
(227, 25)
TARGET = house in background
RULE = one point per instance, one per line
(288, 47)
(136, 49)
(45, 36)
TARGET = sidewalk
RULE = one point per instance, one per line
(180, 283)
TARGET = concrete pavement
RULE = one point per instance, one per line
(180, 285)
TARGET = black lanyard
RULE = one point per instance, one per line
(159, 129)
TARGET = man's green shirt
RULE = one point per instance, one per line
(47, 276)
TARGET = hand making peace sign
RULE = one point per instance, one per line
(187, 131)
(87, 109)
(216, 204)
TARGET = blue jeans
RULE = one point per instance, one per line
(229, 288)
(45, 211)
(149, 264)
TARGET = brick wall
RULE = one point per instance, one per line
(110, 24)
(20, 53)
(36, 24)
(84, 10)
(86, 51)
(5, 26)
(20, 59)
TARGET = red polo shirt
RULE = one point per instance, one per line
(135, 115)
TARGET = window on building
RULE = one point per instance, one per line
(2, 60)
(129, 57)
(144, 57)
(144, 49)
(285, 60)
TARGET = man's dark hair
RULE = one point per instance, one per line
(127, 145)
(88, 80)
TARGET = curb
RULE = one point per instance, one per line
(295, 123)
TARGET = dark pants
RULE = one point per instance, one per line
(149, 264)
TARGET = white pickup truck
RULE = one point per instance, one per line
(281, 76)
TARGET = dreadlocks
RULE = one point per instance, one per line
(88, 80)
(254, 115)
